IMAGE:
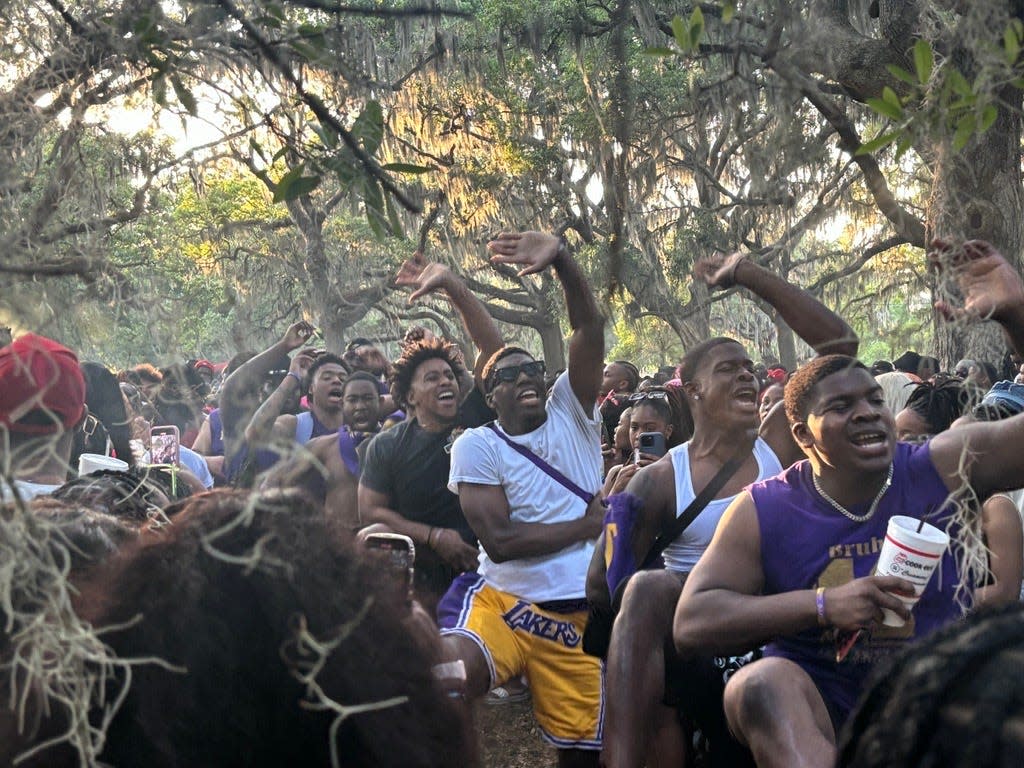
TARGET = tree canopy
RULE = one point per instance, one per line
(181, 179)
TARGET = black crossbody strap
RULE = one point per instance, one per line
(546, 468)
(681, 523)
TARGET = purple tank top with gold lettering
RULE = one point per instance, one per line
(806, 543)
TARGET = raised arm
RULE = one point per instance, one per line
(991, 287)
(240, 395)
(426, 277)
(264, 422)
(991, 290)
(812, 321)
(535, 251)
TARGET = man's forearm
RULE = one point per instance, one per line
(519, 540)
(579, 299)
(812, 321)
(476, 319)
(720, 622)
(262, 423)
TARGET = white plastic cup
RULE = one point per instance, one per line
(92, 462)
(911, 554)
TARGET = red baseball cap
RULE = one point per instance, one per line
(204, 364)
(39, 375)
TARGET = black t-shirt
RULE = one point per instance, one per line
(474, 411)
(410, 466)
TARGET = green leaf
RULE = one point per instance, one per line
(255, 146)
(959, 83)
(903, 145)
(890, 97)
(302, 186)
(964, 131)
(369, 127)
(988, 116)
(308, 52)
(658, 52)
(293, 184)
(680, 33)
(406, 168)
(924, 60)
(728, 13)
(878, 142)
(188, 101)
(1011, 44)
(696, 27)
(395, 222)
(373, 203)
(901, 74)
(886, 109)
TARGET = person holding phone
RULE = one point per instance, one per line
(654, 411)
(646, 681)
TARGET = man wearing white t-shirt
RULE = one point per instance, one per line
(526, 485)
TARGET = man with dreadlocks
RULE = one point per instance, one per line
(791, 562)
(403, 483)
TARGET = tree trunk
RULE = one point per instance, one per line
(976, 194)
(553, 345)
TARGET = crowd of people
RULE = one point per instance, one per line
(324, 557)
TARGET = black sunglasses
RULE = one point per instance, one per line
(510, 373)
(650, 394)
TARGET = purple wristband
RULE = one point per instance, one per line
(295, 376)
(819, 601)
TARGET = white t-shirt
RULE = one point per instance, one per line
(683, 553)
(570, 441)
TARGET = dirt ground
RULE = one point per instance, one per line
(509, 738)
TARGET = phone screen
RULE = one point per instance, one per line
(164, 446)
(397, 553)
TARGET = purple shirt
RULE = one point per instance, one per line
(806, 543)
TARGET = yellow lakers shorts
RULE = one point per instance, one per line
(518, 637)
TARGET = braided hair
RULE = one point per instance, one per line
(956, 699)
(940, 403)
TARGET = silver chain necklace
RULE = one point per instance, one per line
(847, 513)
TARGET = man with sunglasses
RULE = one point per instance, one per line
(527, 486)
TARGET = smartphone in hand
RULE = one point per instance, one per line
(165, 445)
(397, 553)
(651, 443)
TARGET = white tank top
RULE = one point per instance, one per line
(683, 553)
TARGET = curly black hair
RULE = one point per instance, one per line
(413, 355)
(123, 494)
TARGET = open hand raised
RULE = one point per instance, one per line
(989, 284)
(533, 251)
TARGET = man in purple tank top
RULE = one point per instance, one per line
(791, 562)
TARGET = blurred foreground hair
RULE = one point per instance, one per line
(279, 647)
(956, 699)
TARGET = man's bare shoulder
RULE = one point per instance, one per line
(655, 486)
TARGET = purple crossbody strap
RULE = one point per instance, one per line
(543, 465)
